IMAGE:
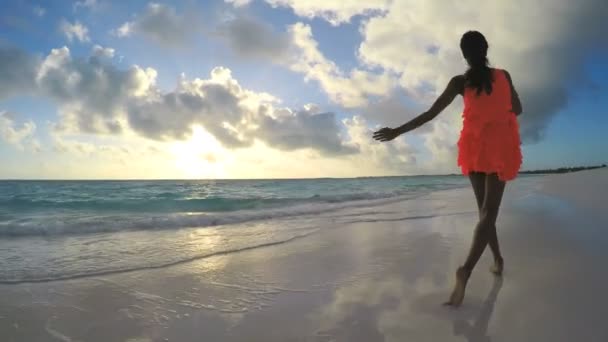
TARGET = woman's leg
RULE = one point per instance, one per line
(494, 189)
(478, 181)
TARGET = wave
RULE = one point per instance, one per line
(62, 224)
(166, 204)
(148, 267)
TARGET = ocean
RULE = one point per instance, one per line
(54, 230)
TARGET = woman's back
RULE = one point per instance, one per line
(489, 107)
(489, 140)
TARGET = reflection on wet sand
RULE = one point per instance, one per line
(477, 332)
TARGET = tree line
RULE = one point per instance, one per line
(564, 169)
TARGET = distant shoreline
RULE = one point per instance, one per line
(549, 171)
(531, 172)
(563, 169)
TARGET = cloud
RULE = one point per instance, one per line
(90, 4)
(100, 51)
(396, 158)
(398, 41)
(124, 30)
(298, 51)
(305, 129)
(74, 31)
(39, 11)
(17, 135)
(349, 90)
(440, 141)
(171, 115)
(95, 97)
(234, 116)
(90, 92)
(162, 24)
(17, 71)
(391, 110)
(543, 55)
(239, 3)
(334, 11)
(252, 38)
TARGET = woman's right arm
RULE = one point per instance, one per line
(515, 102)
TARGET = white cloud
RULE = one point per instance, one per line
(17, 135)
(298, 51)
(334, 11)
(162, 24)
(396, 158)
(124, 30)
(441, 144)
(95, 97)
(234, 116)
(100, 51)
(91, 92)
(74, 31)
(239, 3)
(349, 90)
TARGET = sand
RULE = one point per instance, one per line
(382, 277)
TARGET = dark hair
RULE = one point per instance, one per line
(475, 50)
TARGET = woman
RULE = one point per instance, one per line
(488, 147)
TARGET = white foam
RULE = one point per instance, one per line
(63, 225)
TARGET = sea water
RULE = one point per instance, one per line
(52, 230)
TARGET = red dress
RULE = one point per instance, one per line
(489, 141)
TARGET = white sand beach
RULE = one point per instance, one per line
(381, 277)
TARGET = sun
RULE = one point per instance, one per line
(201, 156)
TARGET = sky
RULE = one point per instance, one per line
(101, 89)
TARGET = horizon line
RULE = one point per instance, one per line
(250, 179)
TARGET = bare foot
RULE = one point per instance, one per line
(462, 276)
(497, 267)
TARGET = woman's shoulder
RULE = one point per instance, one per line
(500, 70)
(458, 82)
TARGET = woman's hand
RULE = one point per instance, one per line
(386, 134)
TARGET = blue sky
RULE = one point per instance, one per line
(281, 88)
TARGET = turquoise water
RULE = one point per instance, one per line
(77, 207)
(56, 230)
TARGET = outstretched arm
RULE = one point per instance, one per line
(454, 87)
(515, 103)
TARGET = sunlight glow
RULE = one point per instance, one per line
(199, 157)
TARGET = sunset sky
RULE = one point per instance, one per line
(284, 88)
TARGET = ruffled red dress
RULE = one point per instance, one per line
(489, 141)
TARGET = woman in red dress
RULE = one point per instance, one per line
(488, 148)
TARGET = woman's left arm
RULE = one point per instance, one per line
(454, 87)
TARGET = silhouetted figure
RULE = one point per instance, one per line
(488, 147)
